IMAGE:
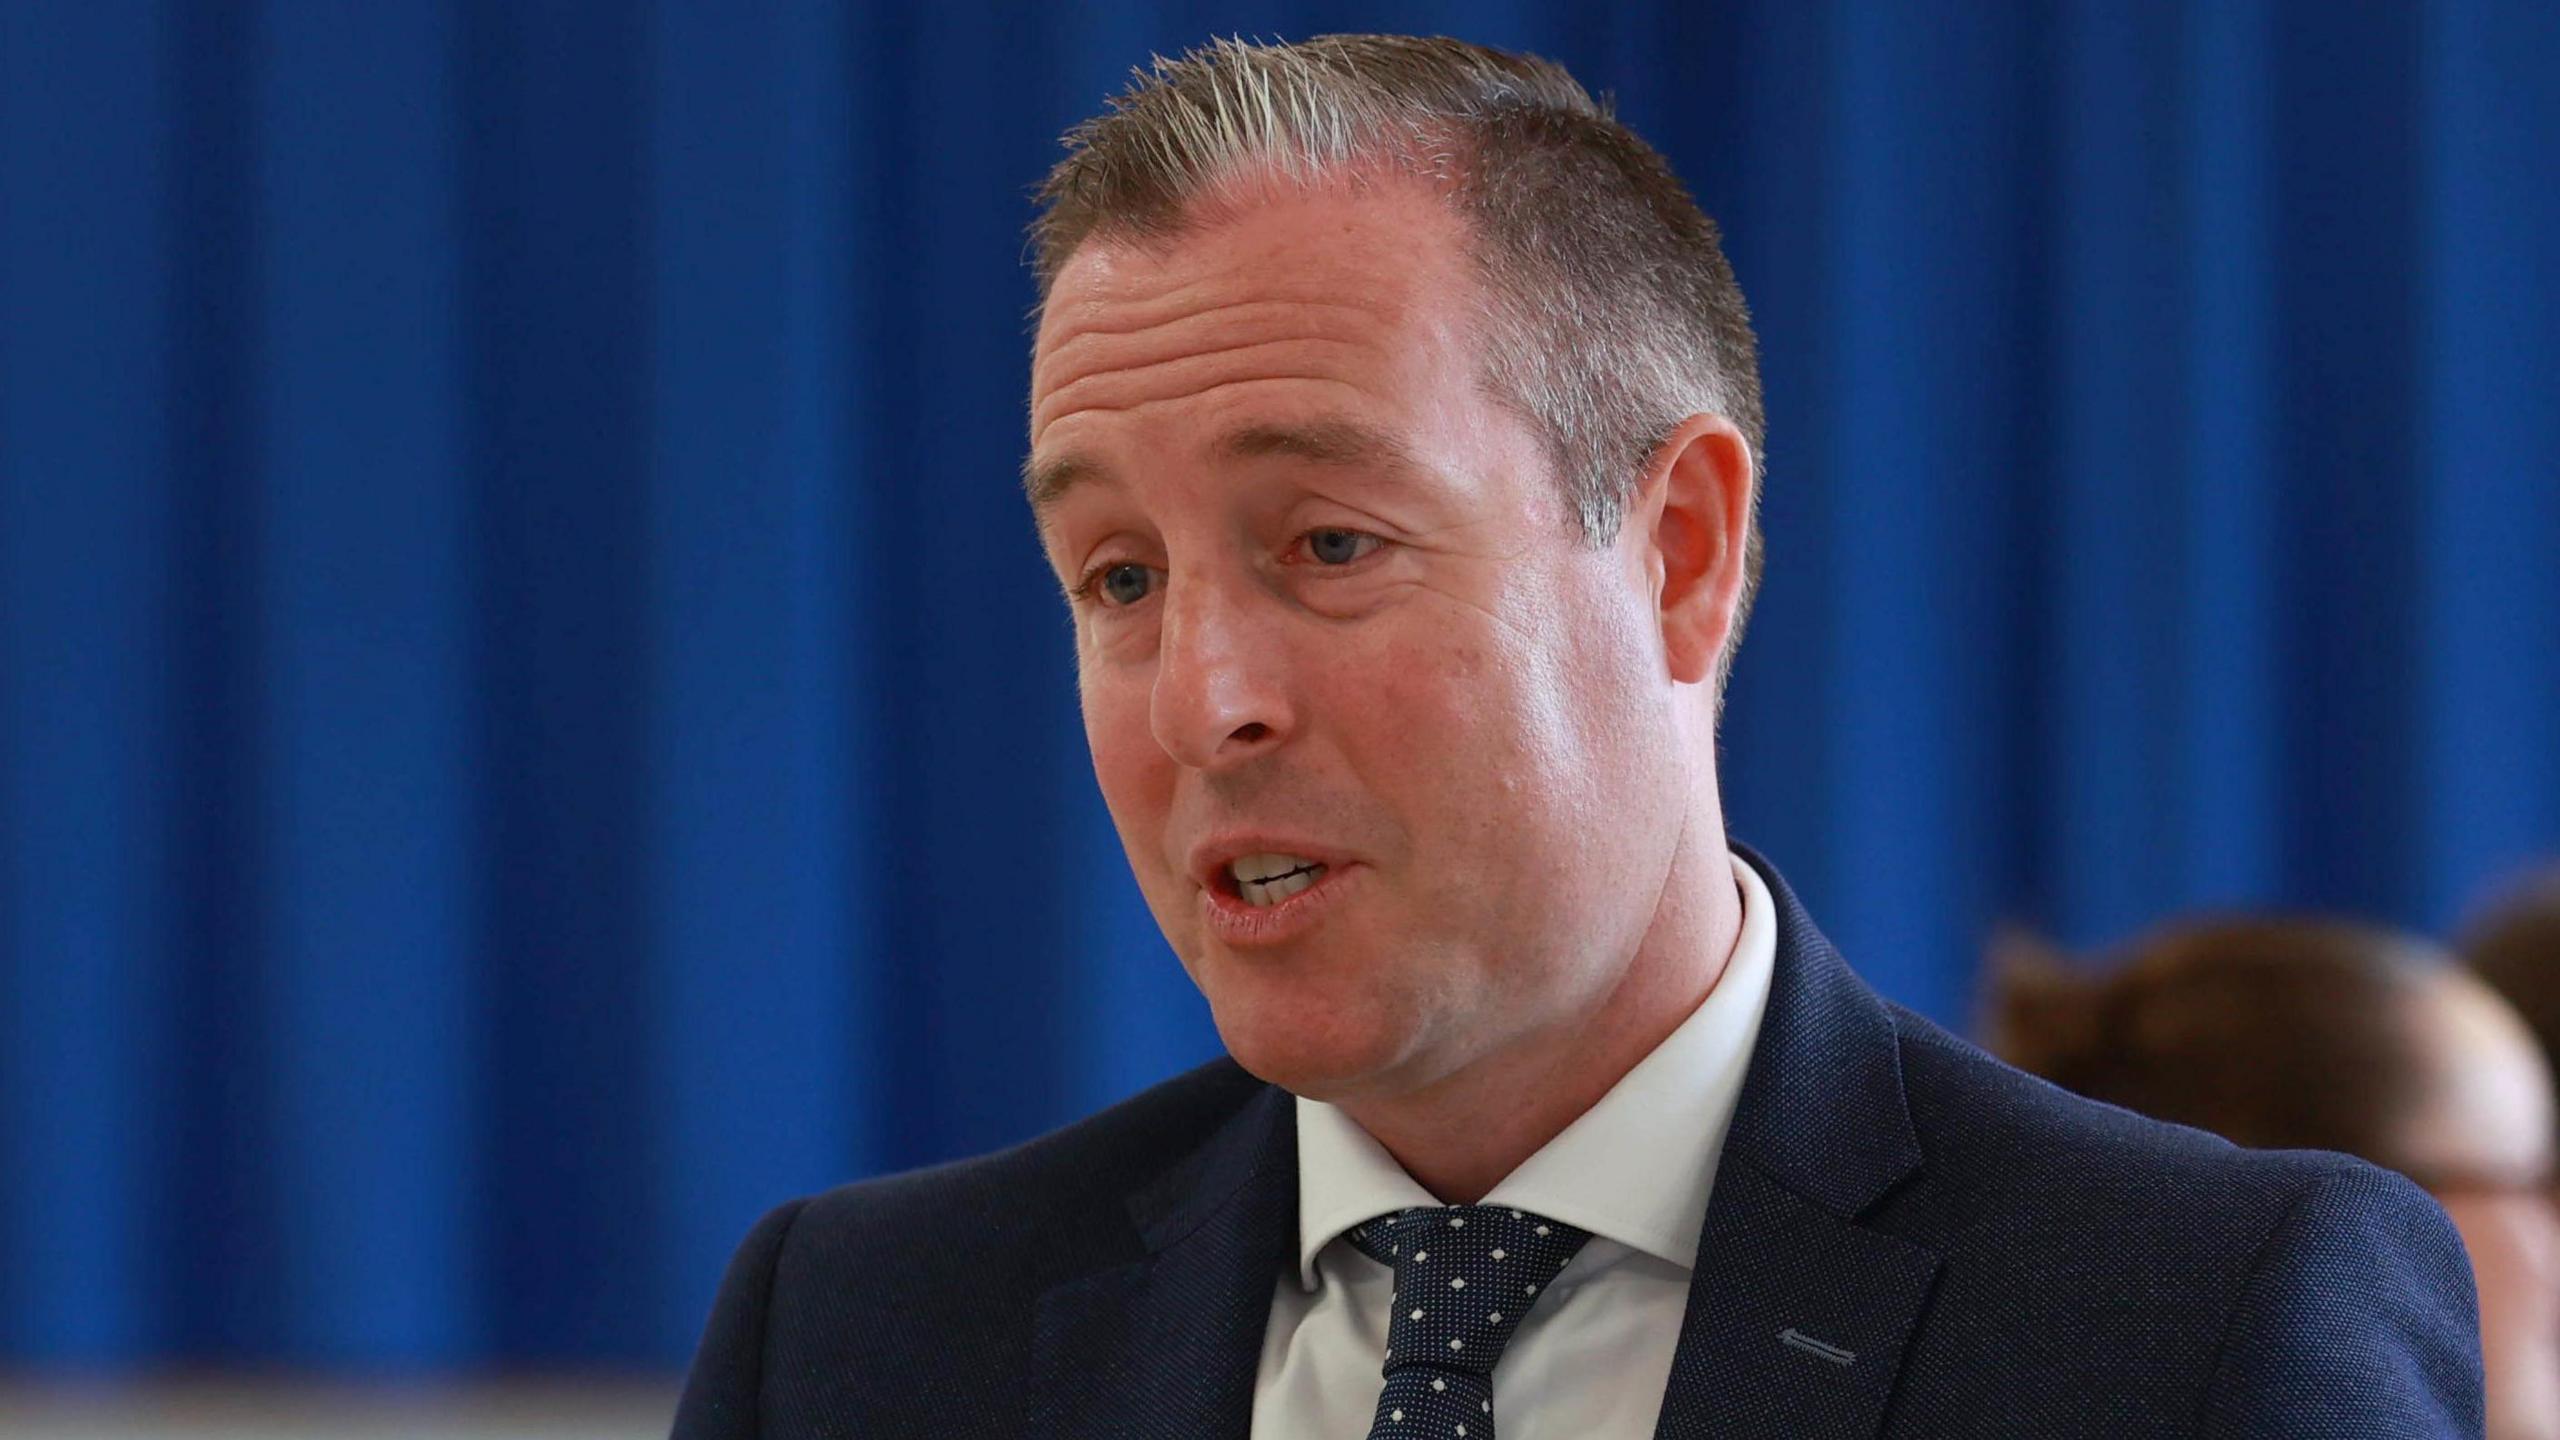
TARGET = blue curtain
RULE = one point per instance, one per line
(533, 726)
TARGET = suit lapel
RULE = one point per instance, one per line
(1797, 1318)
(1796, 1323)
(1799, 1314)
(1166, 1347)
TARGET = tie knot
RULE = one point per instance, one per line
(1465, 1274)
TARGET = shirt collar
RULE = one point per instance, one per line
(1636, 1168)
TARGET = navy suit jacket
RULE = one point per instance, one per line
(1974, 1252)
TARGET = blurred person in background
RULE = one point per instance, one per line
(2281, 1033)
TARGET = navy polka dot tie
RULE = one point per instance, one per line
(1465, 1274)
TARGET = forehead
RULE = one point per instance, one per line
(2490, 1101)
(1366, 289)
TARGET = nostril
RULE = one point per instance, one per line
(1251, 733)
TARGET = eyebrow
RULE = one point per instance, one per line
(1043, 481)
(1344, 444)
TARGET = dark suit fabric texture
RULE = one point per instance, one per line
(1906, 1238)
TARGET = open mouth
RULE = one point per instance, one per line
(1263, 880)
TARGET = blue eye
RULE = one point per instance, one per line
(1339, 547)
(1124, 584)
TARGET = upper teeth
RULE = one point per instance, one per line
(1270, 879)
(1254, 869)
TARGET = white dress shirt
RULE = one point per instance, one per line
(1591, 1360)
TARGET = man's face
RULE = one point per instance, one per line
(1332, 618)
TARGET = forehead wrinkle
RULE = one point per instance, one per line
(1096, 317)
(1088, 322)
(1089, 348)
(1130, 276)
(1111, 389)
(1125, 319)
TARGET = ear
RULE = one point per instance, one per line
(1692, 522)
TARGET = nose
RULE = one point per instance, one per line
(1220, 696)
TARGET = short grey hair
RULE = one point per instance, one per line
(1611, 312)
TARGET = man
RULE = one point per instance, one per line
(1395, 433)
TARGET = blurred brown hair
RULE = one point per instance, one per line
(2274, 1032)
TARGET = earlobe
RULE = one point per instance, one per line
(1698, 489)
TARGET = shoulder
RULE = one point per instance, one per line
(2245, 1287)
(2004, 1143)
(2359, 1306)
(923, 1275)
(1068, 1190)
(1994, 1134)
(927, 1275)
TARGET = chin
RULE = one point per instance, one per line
(1319, 1051)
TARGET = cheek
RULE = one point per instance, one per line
(1426, 711)
(1510, 733)
(1564, 689)
(1128, 765)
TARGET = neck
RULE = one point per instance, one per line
(1460, 1135)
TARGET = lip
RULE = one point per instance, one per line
(1248, 927)
(1233, 922)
